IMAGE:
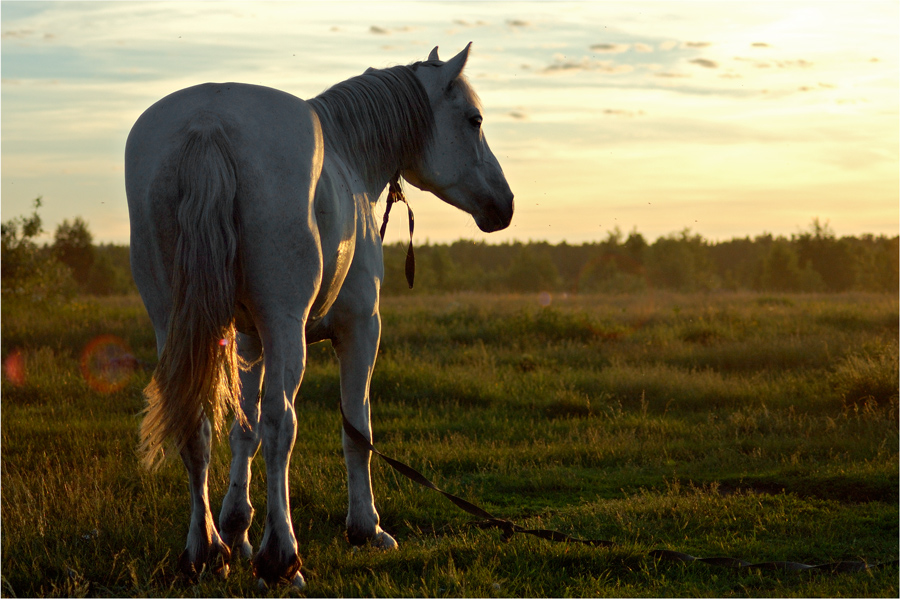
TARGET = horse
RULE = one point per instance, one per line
(253, 234)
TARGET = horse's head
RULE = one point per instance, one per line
(457, 165)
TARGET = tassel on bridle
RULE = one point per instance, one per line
(395, 194)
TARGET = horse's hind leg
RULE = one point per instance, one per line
(285, 361)
(279, 301)
(204, 546)
(237, 511)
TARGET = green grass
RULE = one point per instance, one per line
(751, 426)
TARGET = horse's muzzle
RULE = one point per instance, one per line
(496, 216)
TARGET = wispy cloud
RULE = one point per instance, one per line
(705, 63)
(622, 112)
(610, 48)
(562, 64)
(465, 23)
(778, 64)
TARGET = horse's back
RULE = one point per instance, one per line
(270, 132)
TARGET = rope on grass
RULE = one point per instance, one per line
(508, 529)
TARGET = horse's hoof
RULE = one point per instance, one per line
(272, 573)
(380, 540)
(214, 559)
(244, 549)
(384, 541)
(298, 582)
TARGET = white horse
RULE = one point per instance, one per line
(252, 235)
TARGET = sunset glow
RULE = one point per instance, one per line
(728, 118)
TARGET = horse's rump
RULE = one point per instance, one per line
(197, 369)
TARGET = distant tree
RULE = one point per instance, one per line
(19, 249)
(782, 271)
(681, 262)
(26, 270)
(635, 247)
(833, 259)
(74, 247)
(532, 270)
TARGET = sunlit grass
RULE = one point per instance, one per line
(759, 427)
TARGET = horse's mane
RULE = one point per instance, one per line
(380, 120)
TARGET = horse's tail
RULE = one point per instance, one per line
(197, 372)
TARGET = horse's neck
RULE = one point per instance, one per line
(350, 174)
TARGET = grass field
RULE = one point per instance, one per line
(754, 426)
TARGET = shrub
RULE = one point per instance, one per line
(864, 379)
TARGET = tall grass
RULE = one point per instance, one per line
(762, 427)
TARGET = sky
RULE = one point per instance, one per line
(728, 118)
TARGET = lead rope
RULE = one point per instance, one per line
(395, 194)
(508, 529)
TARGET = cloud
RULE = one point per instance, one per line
(780, 64)
(17, 34)
(378, 30)
(644, 48)
(760, 45)
(705, 63)
(787, 64)
(668, 45)
(564, 65)
(696, 44)
(611, 48)
(519, 115)
(464, 23)
(517, 23)
(625, 113)
(670, 75)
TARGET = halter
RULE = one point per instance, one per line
(395, 194)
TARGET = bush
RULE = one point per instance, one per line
(27, 271)
(869, 379)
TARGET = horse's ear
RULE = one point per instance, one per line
(455, 65)
(433, 54)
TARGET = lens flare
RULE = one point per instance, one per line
(107, 363)
(14, 368)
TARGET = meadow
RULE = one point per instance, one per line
(756, 426)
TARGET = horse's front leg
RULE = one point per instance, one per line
(356, 344)
(204, 546)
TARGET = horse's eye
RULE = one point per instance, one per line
(476, 121)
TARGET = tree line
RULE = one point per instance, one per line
(815, 260)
